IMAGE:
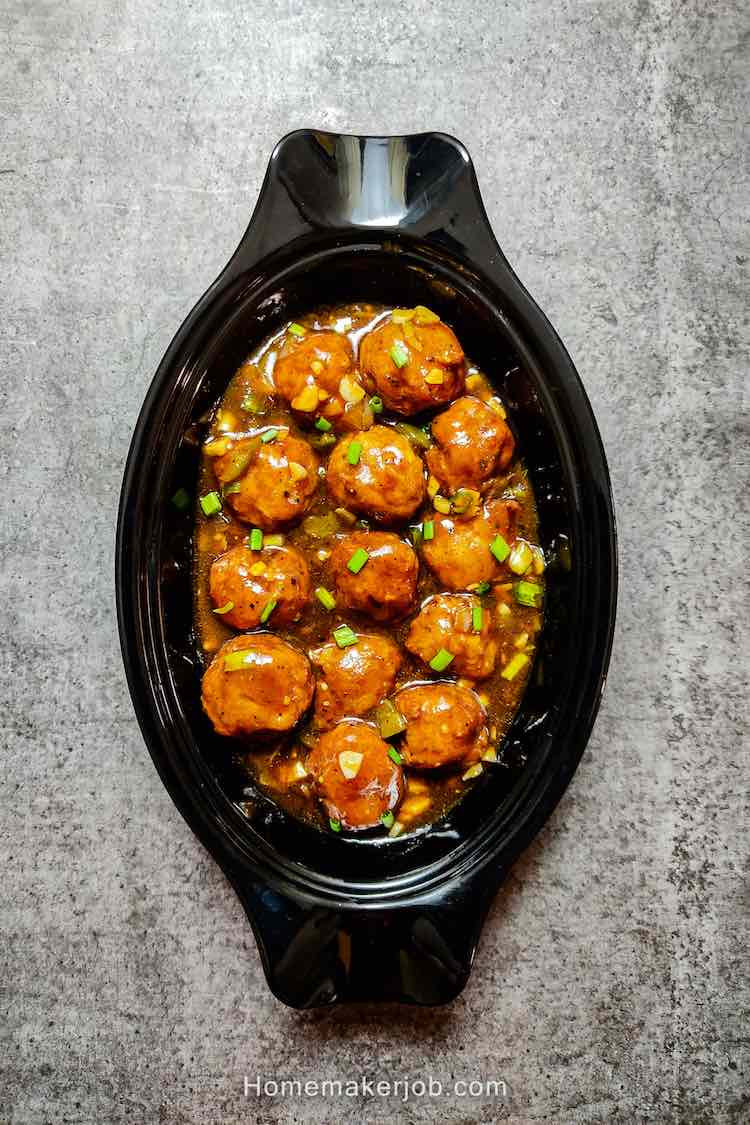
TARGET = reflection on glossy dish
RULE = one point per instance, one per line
(366, 522)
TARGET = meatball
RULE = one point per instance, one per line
(277, 479)
(248, 580)
(445, 726)
(432, 370)
(473, 443)
(354, 679)
(459, 552)
(355, 777)
(309, 370)
(387, 480)
(257, 684)
(448, 621)
(385, 586)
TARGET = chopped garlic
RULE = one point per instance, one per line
(306, 400)
(350, 762)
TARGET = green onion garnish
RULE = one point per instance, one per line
(224, 608)
(296, 329)
(358, 560)
(441, 660)
(211, 503)
(236, 661)
(387, 819)
(252, 403)
(268, 609)
(230, 489)
(335, 825)
(482, 587)
(344, 636)
(325, 597)
(376, 404)
(528, 593)
(273, 540)
(399, 354)
(323, 425)
(389, 721)
(476, 618)
(416, 534)
(394, 755)
(256, 539)
(353, 452)
(181, 499)
(428, 530)
(269, 436)
(499, 548)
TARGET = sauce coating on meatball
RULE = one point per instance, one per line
(458, 624)
(459, 553)
(384, 585)
(413, 366)
(277, 478)
(377, 473)
(355, 679)
(445, 725)
(248, 581)
(309, 371)
(473, 443)
(356, 778)
(257, 684)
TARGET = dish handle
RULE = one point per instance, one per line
(421, 185)
(316, 955)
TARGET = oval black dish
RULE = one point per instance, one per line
(397, 220)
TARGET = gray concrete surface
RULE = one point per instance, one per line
(609, 141)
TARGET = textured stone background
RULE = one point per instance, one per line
(608, 137)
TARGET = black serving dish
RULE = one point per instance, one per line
(398, 220)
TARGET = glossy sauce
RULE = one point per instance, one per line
(276, 763)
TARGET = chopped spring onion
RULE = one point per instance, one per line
(335, 825)
(231, 489)
(224, 608)
(252, 403)
(239, 459)
(236, 661)
(273, 540)
(521, 557)
(181, 499)
(441, 660)
(354, 452)
(211, 503)
(387, 819)
(269, 436)
(394, 755)
(376, 404)
(514, 666)
(322, 441)
(399, 354)
(268, 609)
(423, 315)
(390, 721)
(528, 593)
(476, 618)
(416, 534)
(482, 588)
(441, 504)
(358, 560)
(296, 329)
(428, 530)
(344, 636)
(255, 541)
(499, 548)
(323, 425)
(415, 435)
(465, 501)
(325, 597)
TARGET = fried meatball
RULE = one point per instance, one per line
(385, 586)
(445, 726)
(269, 691)
(277, 479)
(354, 679)
(473, 443)
(249, 580)
(355, 777)
(447, 621)
(459, 553)
(387, 482)
(434, 371)
(319, 361)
